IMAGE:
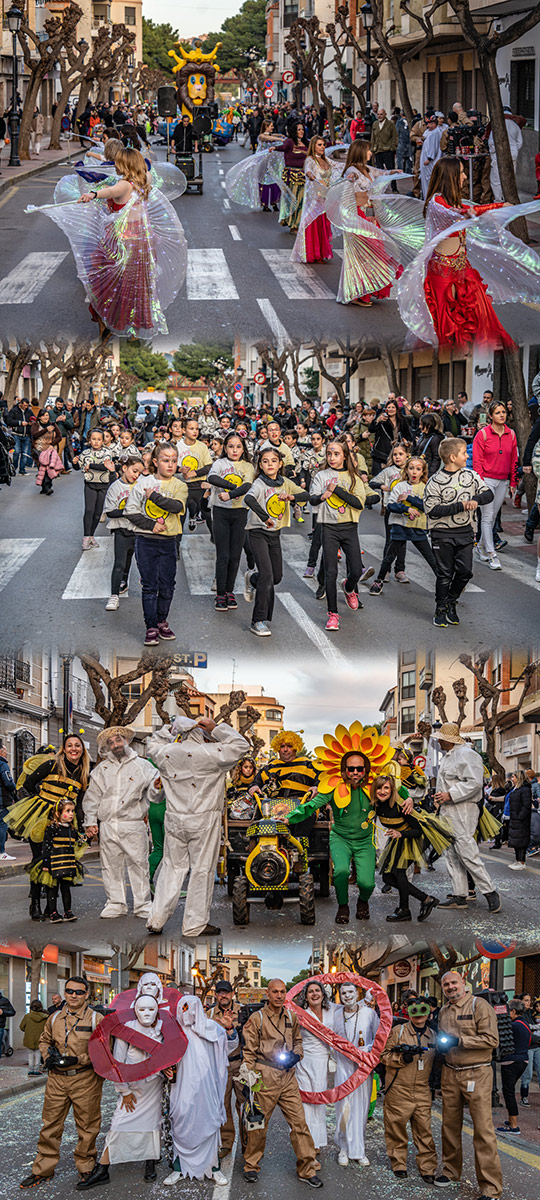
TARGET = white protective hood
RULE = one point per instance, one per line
(197, 1094)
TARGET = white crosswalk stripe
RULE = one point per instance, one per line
(314, 632)
(91, 579)
(297, 280)
(199, 559)
(208, 276)
(14, 553)
(416, 569)
(515, 568)
(29, 277)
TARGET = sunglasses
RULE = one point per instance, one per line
(75, 991)
(355, 770)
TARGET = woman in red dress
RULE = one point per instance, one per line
(314, 238)
(455, 292)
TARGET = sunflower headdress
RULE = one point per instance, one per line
(374, 745)
(288, 738)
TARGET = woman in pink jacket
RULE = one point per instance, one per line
(495, 459)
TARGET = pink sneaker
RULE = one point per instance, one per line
(332, 622)
(152, 637)
(351, 598)
(165, 632)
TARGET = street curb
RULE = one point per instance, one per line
(19, 1088)
(18, 868)
(6, 183)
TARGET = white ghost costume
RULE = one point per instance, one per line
(197, 1104)
(149, 985)
(135, 1136)
(352, 1112)
(312, 1075)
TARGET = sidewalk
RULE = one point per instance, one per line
(46, 159)
(14, 1078)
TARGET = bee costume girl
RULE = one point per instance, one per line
(410, 833)
(343, 785)
(54, 780)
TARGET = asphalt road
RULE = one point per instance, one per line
(54, 594)
(518, 919)
(21, 1116)
(240, 277)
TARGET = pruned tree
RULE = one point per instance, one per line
(439, 700)
(342, 36)
(71, 66)
(459, 687)
(39, 58)
(36, 946)
(75, 368)
(111, 52)
(307, 46)
(451, 960)
(17, 359)
(111, 701)
(384, 48)
(491, 695)
(147, 80)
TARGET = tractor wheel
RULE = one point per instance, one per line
(240, 905)
(307, 899)
(232, 876)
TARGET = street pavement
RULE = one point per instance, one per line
(239, 277)
(21, 1116)
(519, 918)
(55, 593)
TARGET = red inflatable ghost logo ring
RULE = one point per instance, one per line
(161, 1054)
(367, 1059)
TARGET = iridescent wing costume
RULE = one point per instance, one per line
(164, 176)
(318, 180)
(131, 260)
(507, 267)
(371, 257)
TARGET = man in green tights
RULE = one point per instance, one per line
(352, 836)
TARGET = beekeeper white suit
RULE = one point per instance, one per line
(461, 774)
(118, 796)
(193, 772)
(197, 1106)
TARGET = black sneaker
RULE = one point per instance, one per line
(220, 604)
(251, 1176)
(400, 914)
(231, 600)
(123, 589)
(494, 902)
(440, 618)
(69, 915)
(55, 918)
(400, 1174)
(314, 1181)
(451, 613)
(34, 1180)
(528, 534)
(192, 525)
(454, 902)
(427, 907)
(428, 1178)
(321, 592)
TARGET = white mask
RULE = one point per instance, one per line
(146, 1010)
(348, 994)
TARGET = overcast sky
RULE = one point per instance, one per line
(280, 960)
(192, 20)
(316, 696)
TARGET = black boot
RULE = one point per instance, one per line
(35, 910)
(99, 1175)
(400, 914)
(451, 613)
(150, 1169)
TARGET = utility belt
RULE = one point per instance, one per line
(271, 1062)
(235, 1058)
(468, 1067)
(71, 1071)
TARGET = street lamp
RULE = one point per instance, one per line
(131, 68)
(367, 17)
(14, 21)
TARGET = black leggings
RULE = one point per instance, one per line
(52, 896)
(520, 853)
(266, 548)
(392, 552)
(399, 564)
(197, 503)
(346, 537)
(397, 878)
(249, 552)
(315, 544)
(124, 549)
(229, 525)
(510, 1073)
(94, 499)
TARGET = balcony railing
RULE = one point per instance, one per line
(13, 672)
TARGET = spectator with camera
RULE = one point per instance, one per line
(71, 1083)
